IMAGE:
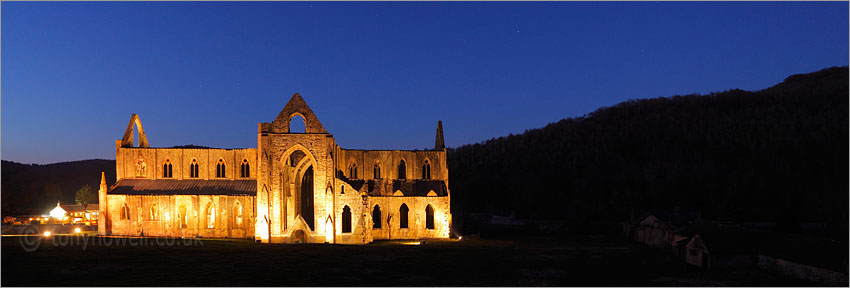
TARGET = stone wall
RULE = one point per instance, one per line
(390, 207)
(180, 159)
(167, 217)
(361, 220)
(278, 183)
(389, 161)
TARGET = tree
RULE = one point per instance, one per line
(84, 195)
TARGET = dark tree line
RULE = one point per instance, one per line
(34, 189)
(779, 154)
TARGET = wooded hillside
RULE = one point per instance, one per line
(779, 154)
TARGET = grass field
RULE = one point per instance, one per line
(587, 260)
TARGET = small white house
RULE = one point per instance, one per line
(58, 212)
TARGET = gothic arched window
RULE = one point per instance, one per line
(426, 170)
(193, 169)
(166, 169)
(346, 219)
(245, 169)
(376, 171)
(125, 212)
(181, 213)
(402, 216)
(402, 170)
(219, 169)
(376, 217)
(352, 171)
(429, 217)
(153, 213)
(237, 214)
(141, 167)
(210, 215)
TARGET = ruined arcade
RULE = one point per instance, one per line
(291, 188)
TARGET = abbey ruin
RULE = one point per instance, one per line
(291, 188)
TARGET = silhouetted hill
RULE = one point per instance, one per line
(779, 154)
(33, 188)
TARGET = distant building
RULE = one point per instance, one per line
(11, 220)
(656, 228)
(293, 187)
(26, 219)
(709, 244)
(726, 245)
(75, 213)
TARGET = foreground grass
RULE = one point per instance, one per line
(575, 261)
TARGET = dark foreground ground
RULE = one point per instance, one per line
(588, 260)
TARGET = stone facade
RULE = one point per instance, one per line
(294, 187)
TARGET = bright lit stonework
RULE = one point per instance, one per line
(292, 188)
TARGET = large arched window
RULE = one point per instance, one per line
(346, 219)
(125, 212)
(245, 169)
(402, 170)
(181, 215)
(219, 169)
(210, 215)
(193, 169)
(426, 170)
(376, 217)
(402, 216)
(352, 171)
(429, 217)
(237, 214)
(376, 171)
(166, 169)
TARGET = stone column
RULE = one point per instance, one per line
(102, 219)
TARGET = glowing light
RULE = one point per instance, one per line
(459, 237)
(77, 230)
(46, 233)
(329, 231)
(57, 212)
(411, 243)
(262, 230)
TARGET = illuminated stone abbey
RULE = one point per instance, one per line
(292, 188)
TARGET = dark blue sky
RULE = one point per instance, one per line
(378, 75)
